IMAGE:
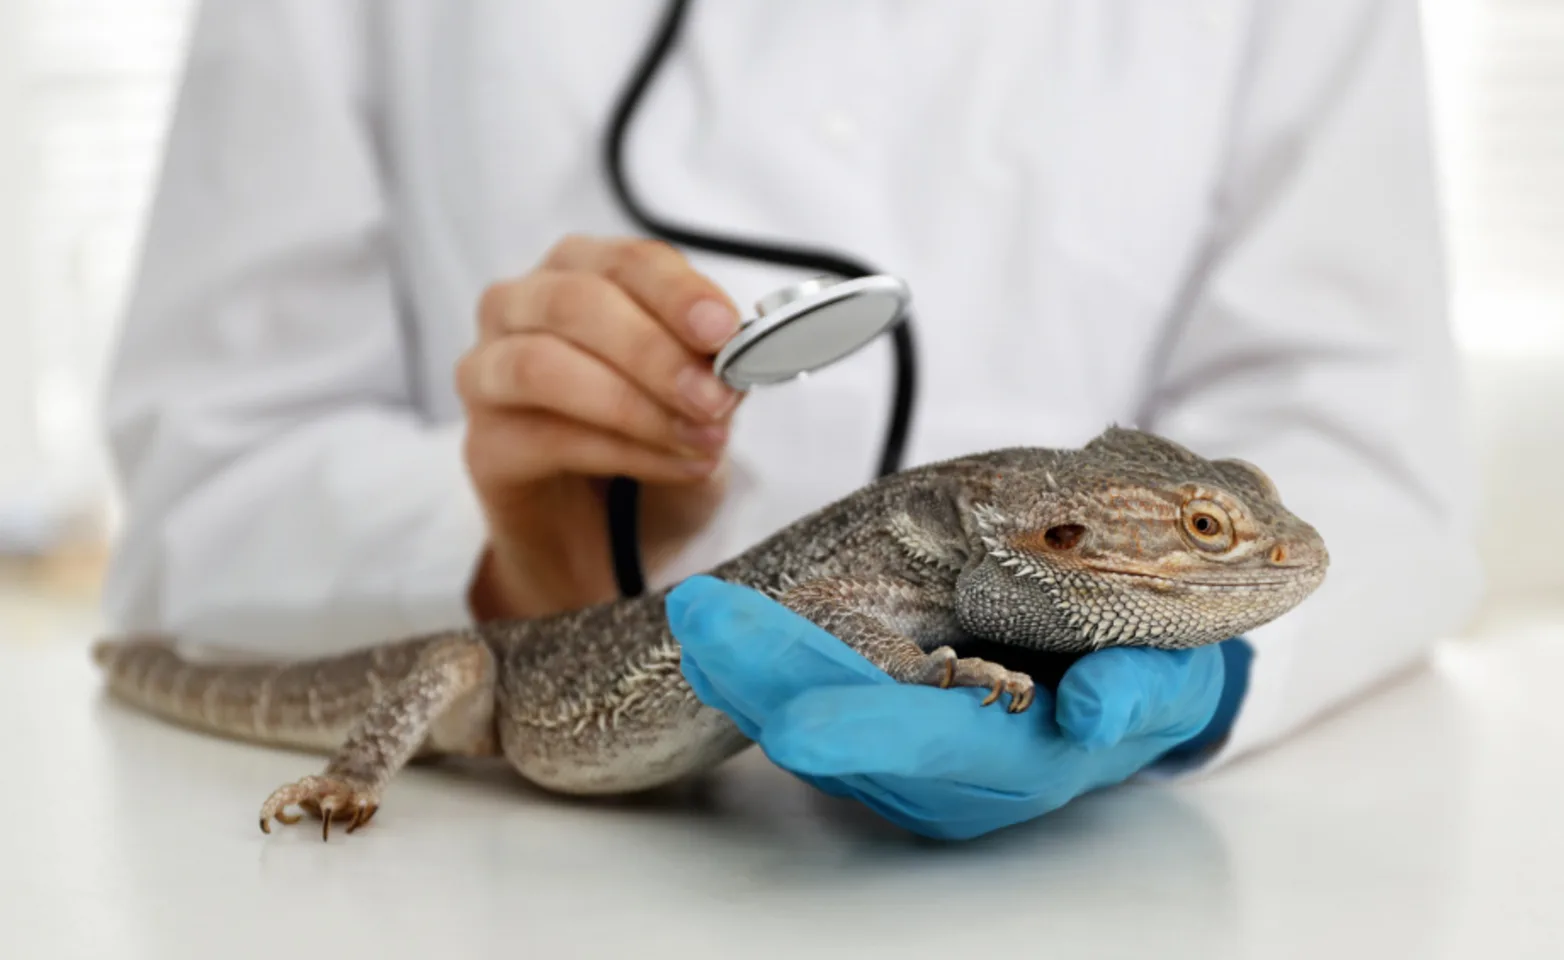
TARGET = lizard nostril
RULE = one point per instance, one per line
(1279, 554)
(1065, 536)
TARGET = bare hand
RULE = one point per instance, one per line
(596, 363)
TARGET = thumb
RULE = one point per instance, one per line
(1122, 693)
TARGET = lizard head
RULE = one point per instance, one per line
(1135, 540)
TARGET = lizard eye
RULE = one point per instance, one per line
(1208, 525)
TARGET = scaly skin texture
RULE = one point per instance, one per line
(1130, 540)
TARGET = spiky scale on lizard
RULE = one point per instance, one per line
(1129, 540)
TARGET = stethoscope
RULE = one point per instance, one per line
(796, 330)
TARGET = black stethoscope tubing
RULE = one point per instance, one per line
(624, 492)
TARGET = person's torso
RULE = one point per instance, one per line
(1041, 173)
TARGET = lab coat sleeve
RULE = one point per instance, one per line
(282, 487)
(1314, 342)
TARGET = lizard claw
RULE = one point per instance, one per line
(942, 668)
(937, 669)
(946, 658)
(972, 672)
(328, 798)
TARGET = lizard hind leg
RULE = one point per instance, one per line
(906, 630)
(445, 701)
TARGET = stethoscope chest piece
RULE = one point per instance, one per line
(810, 325)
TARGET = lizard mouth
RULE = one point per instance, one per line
(1199, 583)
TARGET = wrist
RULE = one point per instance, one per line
(487, 597)
(528, 578)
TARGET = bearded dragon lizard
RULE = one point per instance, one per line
(1129, 540)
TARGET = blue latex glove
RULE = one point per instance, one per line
(935, 761)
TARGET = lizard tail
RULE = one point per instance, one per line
(301, 704)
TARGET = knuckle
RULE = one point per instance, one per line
(482, 455)
(639, 255)
(648, 250)
(506, 371)
(642, 344)
(493, 303)
(619, 406)
(662, 360)
(569, 297)
(466, 376)
(529, 363)
(568, 249)
(549, 437)
(624, 406)
(500, 449)
(476, 452)
(574, 448)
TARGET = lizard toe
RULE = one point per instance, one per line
(973, 672)
(327, 798)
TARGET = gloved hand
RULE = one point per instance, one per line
(931, 760)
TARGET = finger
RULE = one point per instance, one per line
(543, 372)
(660, 278)
(918, 732)
(708, 693)
(1112, 695)
(590, 311)
(526, 445)
(752, 652)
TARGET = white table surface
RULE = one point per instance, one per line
(1421, 823)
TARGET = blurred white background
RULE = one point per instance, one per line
(85, 86)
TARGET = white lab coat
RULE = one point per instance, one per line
(1211, 219)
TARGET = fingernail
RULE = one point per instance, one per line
(702, 388)
(707, 438)
(712, 322)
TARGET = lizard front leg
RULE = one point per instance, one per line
(906, 630)
(447, 697)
